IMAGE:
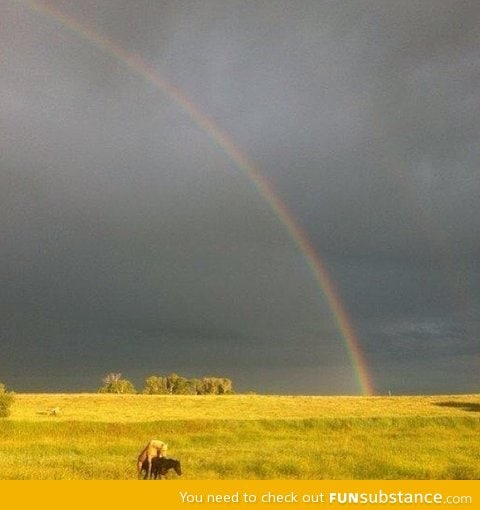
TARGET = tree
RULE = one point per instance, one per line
(155, 385)
(113, 383)
(6, 400)
(216, 386)
(181, 385)
(175, 383)
(196, 385)
(225, 386)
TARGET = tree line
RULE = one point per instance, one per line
(172, 384)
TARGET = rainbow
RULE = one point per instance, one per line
(143, 69)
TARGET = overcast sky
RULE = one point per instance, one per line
(130, 242)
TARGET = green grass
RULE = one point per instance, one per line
(244, 437)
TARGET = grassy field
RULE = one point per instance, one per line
(244, 436)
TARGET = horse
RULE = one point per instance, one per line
(154, 448)
(160, 466)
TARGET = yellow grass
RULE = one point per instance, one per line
(98, 436)
(145, 408)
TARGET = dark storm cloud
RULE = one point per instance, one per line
(131, 242)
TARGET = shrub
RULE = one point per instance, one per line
(6, 400)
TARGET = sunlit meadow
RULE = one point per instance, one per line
(97, 436)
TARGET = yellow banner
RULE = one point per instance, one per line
(233, 495)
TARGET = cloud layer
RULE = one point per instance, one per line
(131, 242)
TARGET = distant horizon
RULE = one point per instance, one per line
(243, 391)
(253, 393)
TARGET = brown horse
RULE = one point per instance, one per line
(160, 467)
(154, 448)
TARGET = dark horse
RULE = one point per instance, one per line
(160, 466)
